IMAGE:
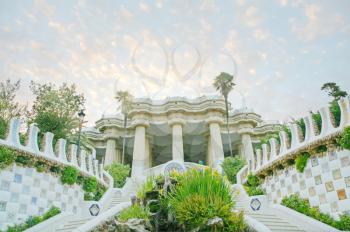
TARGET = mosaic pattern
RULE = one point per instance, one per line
(25, 192)
(325, 182)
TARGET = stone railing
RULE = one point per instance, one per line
(87, 164)
(268, 157)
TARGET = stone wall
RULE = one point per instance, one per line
(26, 192)
(325, 182)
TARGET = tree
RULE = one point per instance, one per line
(224, 83)
(8, 107)
(125, 99)
(55, 109)
(334, 91)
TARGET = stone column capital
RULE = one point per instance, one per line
(176, 121)
(140, 122)
(214, 119)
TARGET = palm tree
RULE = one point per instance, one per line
(125, 99)
(224, 83)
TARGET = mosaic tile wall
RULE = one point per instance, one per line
(25, 192)
(325, 182)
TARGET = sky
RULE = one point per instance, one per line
(279, 51)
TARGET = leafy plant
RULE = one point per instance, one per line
(231, 167)
(303, 206)
(119, 172)
(198, 197)
(34, 220)
(334, 108)
(7, 157)
(69, 175)
(318, 120)
(90, 184)
(301, 124)
(134, 211)
(40, 166)
(301, 161)
(146, 187)
(345, 138)
(321, 149)
(254, 191)
(3, 128)
(253, 180)
(252, 186)
(23, 160)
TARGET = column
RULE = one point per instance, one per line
(119, 155)
(217, 151)
(147, 153)
(209, 153)
(139, 154)
(111, 151)
(248, 153)
(178, 150)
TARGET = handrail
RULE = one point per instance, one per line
(281, 151)
(86, 164)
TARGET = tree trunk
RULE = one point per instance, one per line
(227, 127)
(124, 137)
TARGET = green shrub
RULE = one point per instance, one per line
(301, 161)
(286, 129)
(335, 110)
(53, 211)
(318, 120)
(23, 160)
(40, 166)
(301, 124)
(134, 211)
(345, 138)
(198, 197)
(252, 180)
(7, 157)
(253, 191)
(119, 172)
(69, 175)
(303, 206)
(90, 184)
(149, 185)
(34, 220)
(231, 167)
(55, 169)
(3, 128)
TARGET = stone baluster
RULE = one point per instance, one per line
(273, 147)
(295, 135)
(344, 104)
(327, 125)
(33, 139)
(264, 154)
(73, 155)
(62, 150)
(13, 136)
(100, 171)
(309, 128)
(258, 159)
(90, 164)
(283, 145)
(96, 168)
(48, 149)
(83, 160)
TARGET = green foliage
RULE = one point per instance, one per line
(23, 160)
(55, 109)
(321, 149)
(286, 129)
(3, 128)
(69, 175)
(266, 140)
(336, 112)
(198, 197)
(345, 138)
(55, 169)
(90, 184)
(134, 211)
(231, 167)
(301, 124)
(252, 186)
(301, 161)
(318, 120)
(8, 107)
(34, 220)
(40, 166)
(119, 172)
(333, 90)
(303, 206)
(7, 157)
(146, 187)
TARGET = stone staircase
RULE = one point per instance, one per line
(272, 218)
(70, 225)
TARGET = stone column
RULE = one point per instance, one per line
(248, 153)
(217, 151)
(111, 151)
(139, 154)
(178, 149)
(209, 153)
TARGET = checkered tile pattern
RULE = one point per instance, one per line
(325, 183)
(25, 192)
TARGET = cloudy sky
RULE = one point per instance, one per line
(280, 51)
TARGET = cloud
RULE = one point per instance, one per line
(320, 22)
(144, 7)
